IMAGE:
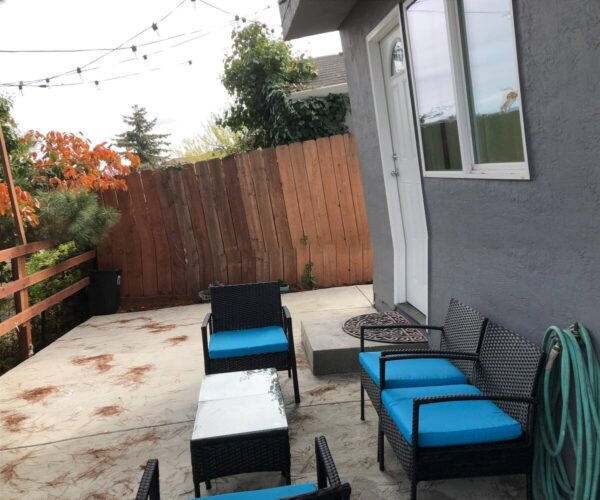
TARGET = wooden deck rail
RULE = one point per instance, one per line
(22, 283)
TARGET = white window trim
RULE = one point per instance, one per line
(471, 170)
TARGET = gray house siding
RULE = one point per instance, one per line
(525, 253)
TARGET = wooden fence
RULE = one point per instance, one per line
(258, 216)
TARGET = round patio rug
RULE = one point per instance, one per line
(352, 327)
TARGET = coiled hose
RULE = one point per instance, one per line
(569, 405)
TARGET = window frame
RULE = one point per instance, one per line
(470, 169)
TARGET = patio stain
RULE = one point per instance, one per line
(135, 375)
(120, 322)
(176, 340)
(108, 411)
(152, 435)
(57, 481)
(13, 422)
(101, 362)
(156, 327)
(319, 391)
(38, 394)
(9, 472)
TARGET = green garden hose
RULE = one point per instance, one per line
(569, 405)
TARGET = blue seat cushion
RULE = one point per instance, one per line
(270, 493)
(233, 343)
(451, 423)
(412, 372)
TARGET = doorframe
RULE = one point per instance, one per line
(382, 119)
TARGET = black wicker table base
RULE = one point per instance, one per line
(240, 427)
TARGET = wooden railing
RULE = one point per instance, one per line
(21, 282)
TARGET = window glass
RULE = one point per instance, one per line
(492, 80)
(434, 87)
(397, 58)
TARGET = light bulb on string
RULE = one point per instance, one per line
(134, 50)
(97, 84)
(190, 62)
(145, 58)
(194, 4)
(48, 83)
(21, 88)
(243, 19)
(79, 73)
(155, 28)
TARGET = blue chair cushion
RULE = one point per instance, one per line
(452, 423)
(412, 372)
(270, 493)
(233, 343)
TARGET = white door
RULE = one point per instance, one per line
(404, 169)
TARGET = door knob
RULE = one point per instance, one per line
(395, 172)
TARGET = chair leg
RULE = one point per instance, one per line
(413, 488)
(295, 380)
(362, 402)
(289, 373)
(380, 451)
(196, 489)
(208, 485)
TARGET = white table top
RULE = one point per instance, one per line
(239, 403)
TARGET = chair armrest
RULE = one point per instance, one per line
(206, 326)
(327, 474)
(417, 403)
(469, 356)
(385, 327)
(149, 485)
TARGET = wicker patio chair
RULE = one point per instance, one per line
(462, 333)
(249, 329)
(482, 429)
(328, 487)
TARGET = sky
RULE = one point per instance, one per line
(180, 95)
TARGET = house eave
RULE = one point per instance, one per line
(339, 88)
(300, 18)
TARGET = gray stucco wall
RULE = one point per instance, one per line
(525, 253)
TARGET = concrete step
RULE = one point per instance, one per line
(331, 350)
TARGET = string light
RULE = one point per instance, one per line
(134, 48)
(97, 83)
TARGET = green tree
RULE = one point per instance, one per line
(148, 146)
(259, 75)
(215, 141)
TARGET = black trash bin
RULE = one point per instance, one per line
(104, 292)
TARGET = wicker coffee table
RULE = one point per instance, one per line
(240, 427)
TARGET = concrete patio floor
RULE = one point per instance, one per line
(81, 417)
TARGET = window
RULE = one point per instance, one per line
(466, 88)
(397, 58)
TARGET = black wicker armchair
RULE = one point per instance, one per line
(466, 430)
(249, 329)
(462, 333)
(328, 487)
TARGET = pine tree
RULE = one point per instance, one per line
(148, 146)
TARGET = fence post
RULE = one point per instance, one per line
(18, 265)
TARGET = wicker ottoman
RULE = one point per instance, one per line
(240, 427)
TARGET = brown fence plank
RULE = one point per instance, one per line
(219, 259)
(192, 192)
(32, 279)
(159, 234)
(117, 237)
(160, 178)
(24, 316)
(358, 195)
(190, 249)
(238, 215)
(317, 195)
(233, 255)
(140, 216)
(338, 153)
(330, 188)
(132, 273)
